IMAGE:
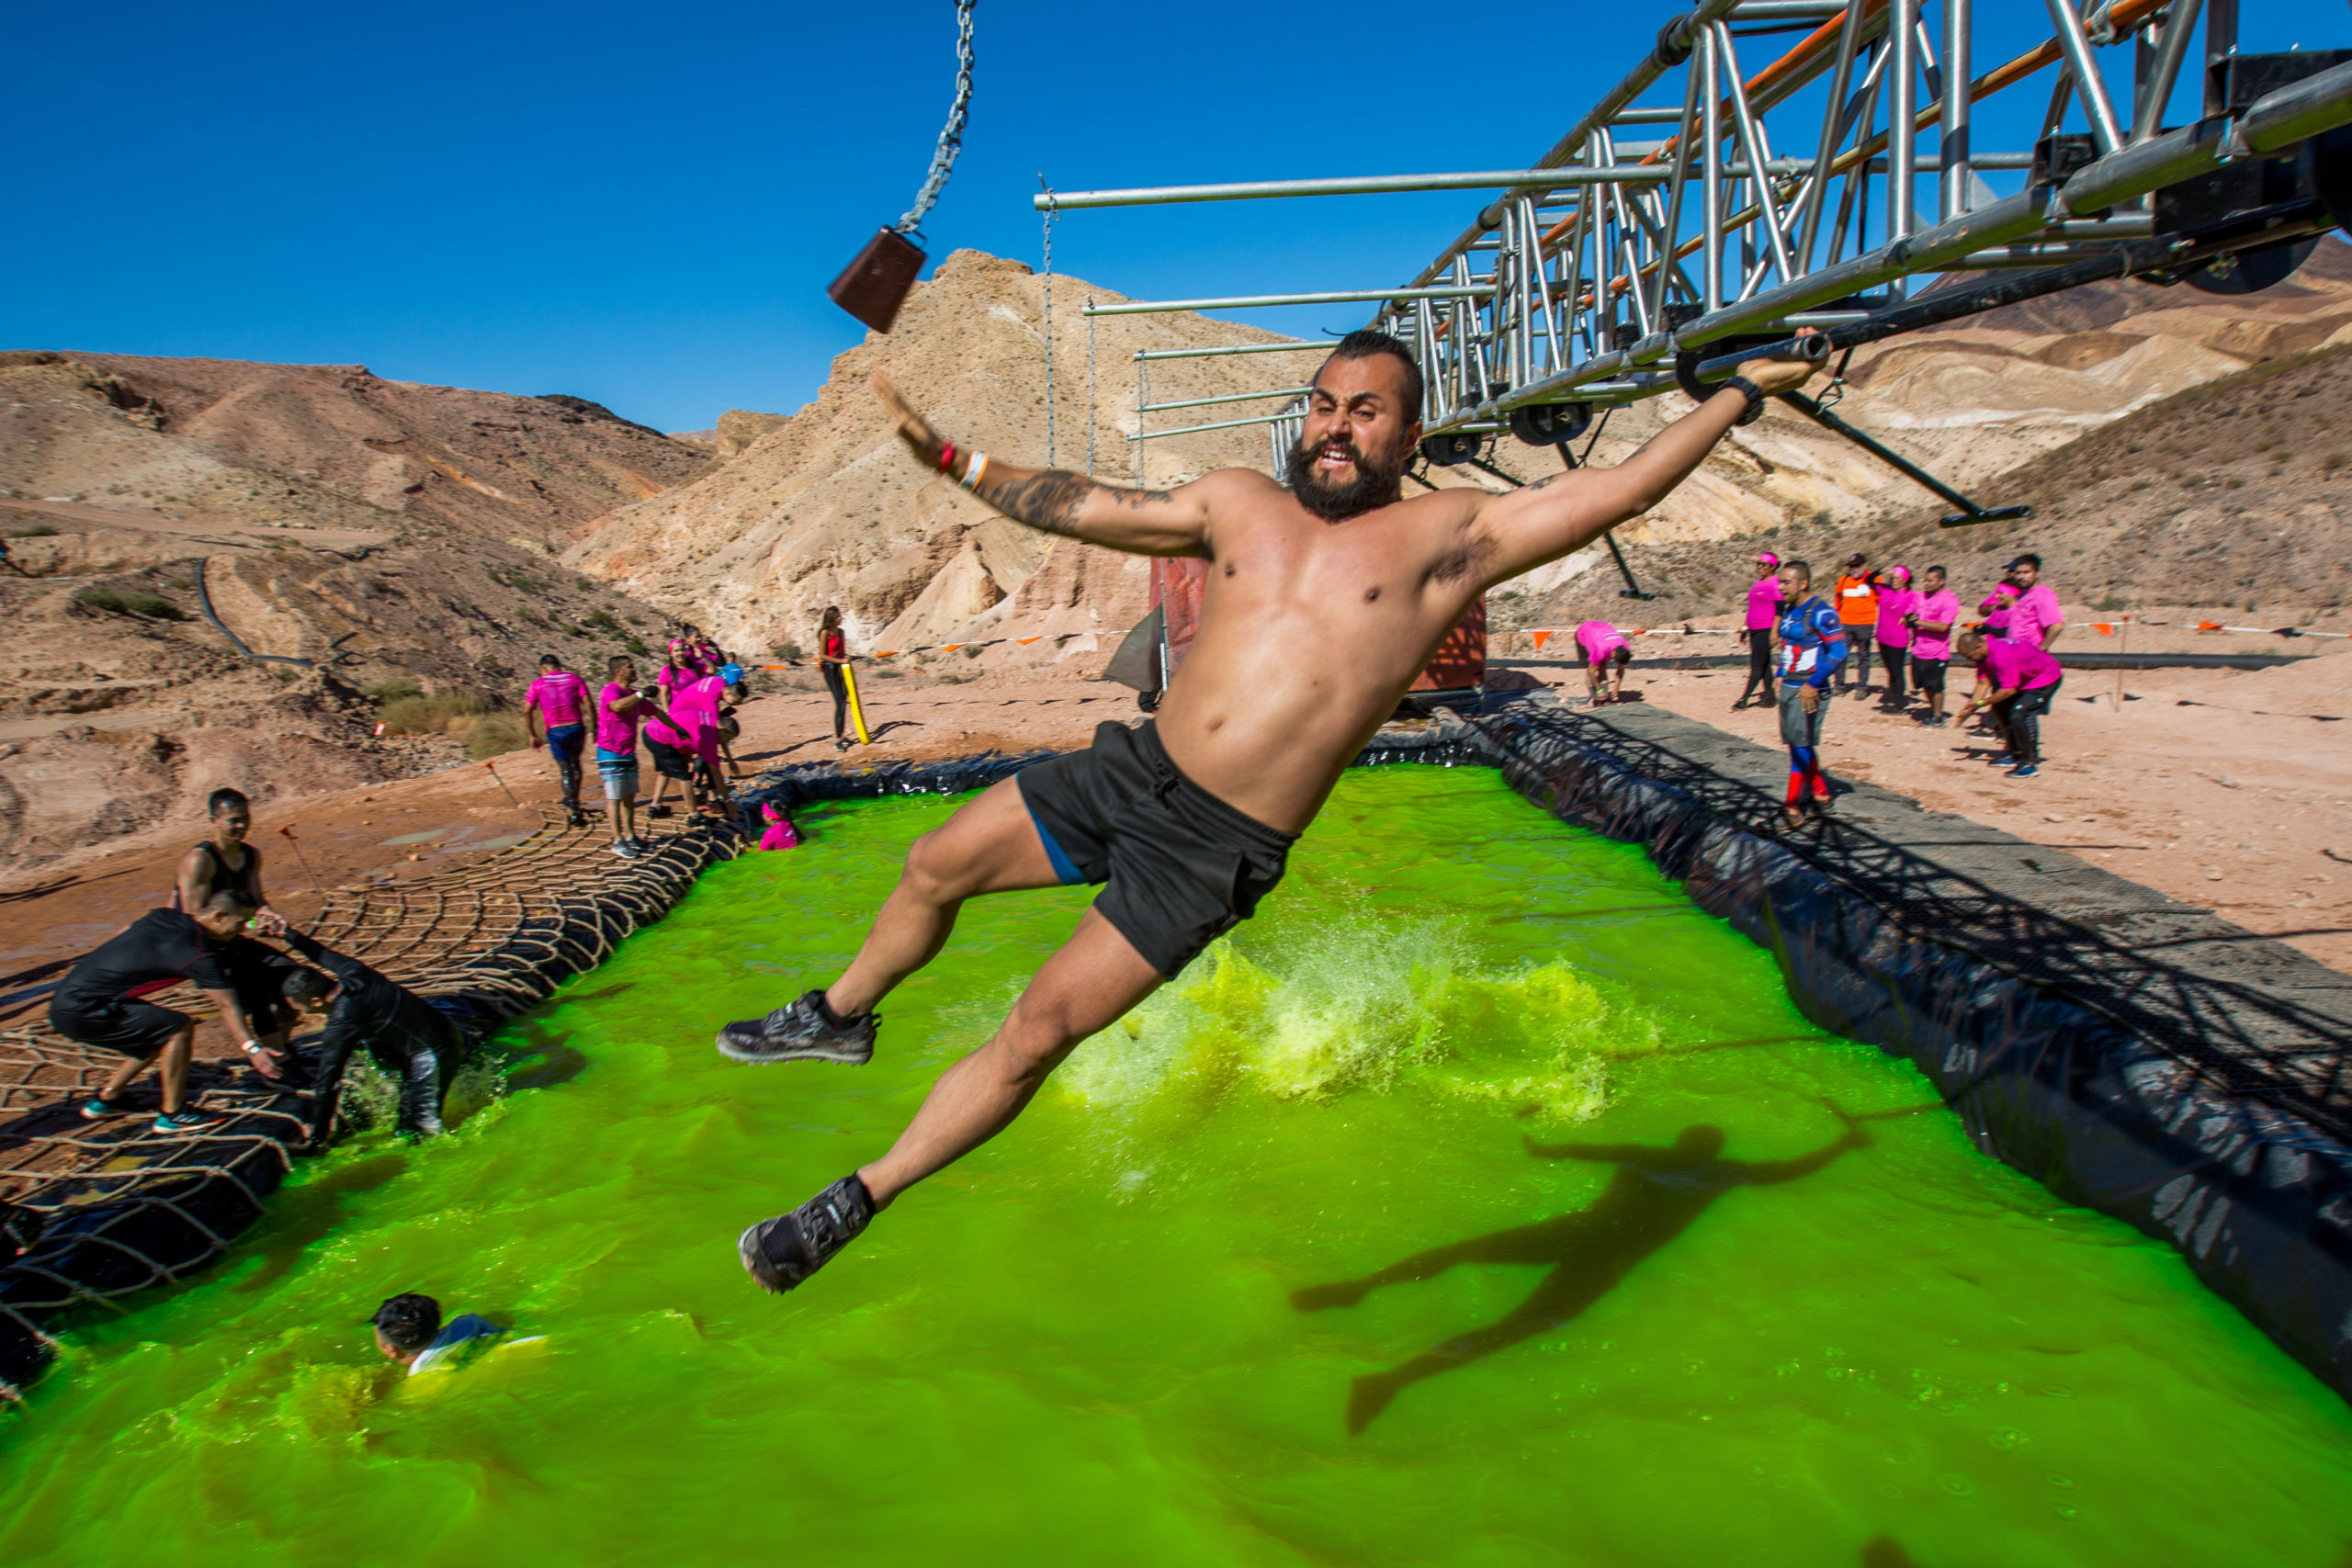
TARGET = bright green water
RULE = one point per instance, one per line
(1079, 1345)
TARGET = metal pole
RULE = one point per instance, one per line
(1226, 398)
(1902, 141)
(2165, 74)
(1230, 348)
(1354, 184)
(2084, 69)
(1252, 301)
(1954, 129)
(1759, 155)
(1090, 414)
(1711, 111)
(1833, 123)
(2220, 42)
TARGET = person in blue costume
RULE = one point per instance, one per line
(409, 1330)
(1808, 647)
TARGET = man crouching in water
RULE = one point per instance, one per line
(414, 1043)
(1324, 599)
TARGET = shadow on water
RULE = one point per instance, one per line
(301, 1215)
(1655, 1194)
(1886, 1551)
(542, 1059)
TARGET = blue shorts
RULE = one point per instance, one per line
(619, 770)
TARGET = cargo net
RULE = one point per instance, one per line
(91, 1211)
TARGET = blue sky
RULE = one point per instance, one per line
(644, 209)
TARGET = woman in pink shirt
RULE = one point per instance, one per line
(1763, 612)
(2017, 682)
(1604, 645)
(1896, 602)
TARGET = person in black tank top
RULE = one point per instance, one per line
(226, 863)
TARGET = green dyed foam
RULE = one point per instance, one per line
(1079, 1345)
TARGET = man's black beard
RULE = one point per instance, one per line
(1376, 484)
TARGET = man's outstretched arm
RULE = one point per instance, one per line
(1055, 500)
(1552, 517)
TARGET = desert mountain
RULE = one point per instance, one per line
(356, 529)
(2232, 499)
(823, 507)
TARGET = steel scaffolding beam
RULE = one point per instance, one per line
(1610, 268)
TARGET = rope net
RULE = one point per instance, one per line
(93, 1212)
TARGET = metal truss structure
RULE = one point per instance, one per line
(1656, 244)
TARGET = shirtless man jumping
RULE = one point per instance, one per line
(1324, 599)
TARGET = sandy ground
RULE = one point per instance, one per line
(2229, 789)
(416, 827)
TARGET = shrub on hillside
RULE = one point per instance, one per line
(153, 606)
(393, 689)
(488, 734)
(431, 715)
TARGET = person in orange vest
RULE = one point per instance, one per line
(1857, 612)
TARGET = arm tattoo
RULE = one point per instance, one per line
(1049, 501)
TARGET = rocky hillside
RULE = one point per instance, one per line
(822, 507)
(2232, 501)
(357, 530)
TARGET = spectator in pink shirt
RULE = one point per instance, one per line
(1896, 602)
(1604, 646)
(555, 711)
(1763, 612)
(2019, 682)
(2036, 619)
(1932, 622)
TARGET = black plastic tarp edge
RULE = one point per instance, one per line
(2256, 1201)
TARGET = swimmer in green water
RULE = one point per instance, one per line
(409, 1330)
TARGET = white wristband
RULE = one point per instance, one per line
(251, 1047)
(974, 470)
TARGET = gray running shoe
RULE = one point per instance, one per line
(782, 1252)
(624, 849)
(799, 1033)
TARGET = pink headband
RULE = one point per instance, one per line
(1767, 558)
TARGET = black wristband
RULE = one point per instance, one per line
(1752, 392)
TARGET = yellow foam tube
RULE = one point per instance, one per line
(856, 709)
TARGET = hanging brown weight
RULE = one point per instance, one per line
(873, 287)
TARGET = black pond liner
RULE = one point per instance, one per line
(2257, 1200)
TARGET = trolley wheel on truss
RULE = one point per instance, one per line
(1548, 425)
(2251, 272)
(1452, 448)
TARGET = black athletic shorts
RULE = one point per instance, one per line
(1928, 674)
(669, 761)
(1182, 866)
(127, 1026)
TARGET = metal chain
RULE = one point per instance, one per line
(951, 138)
(1050, 216)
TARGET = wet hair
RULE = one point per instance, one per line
(1366, 343)
(304, 987)
(222, 800)
(613, 665)
(2028, 559)
(408, 1322)
(231, 901)
(1804, 569)
(550, 661)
